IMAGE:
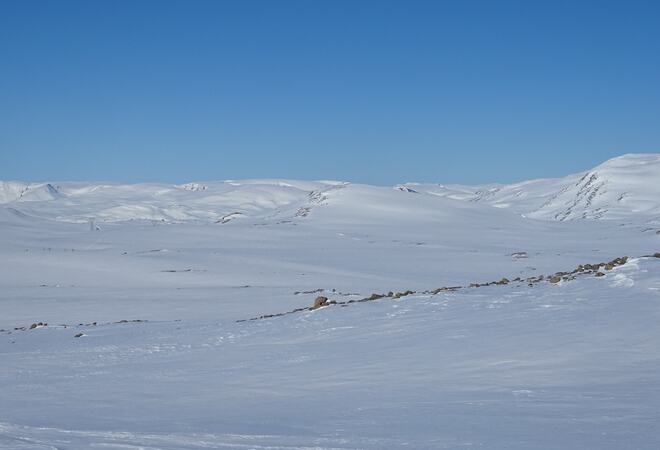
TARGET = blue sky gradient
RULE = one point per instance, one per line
(377, 92)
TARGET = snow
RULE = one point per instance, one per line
(553, 365)
(613, 190)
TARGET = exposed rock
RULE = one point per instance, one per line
(616, 262)
(581, 270)
(403, 294)
(320, 301)
(620, 261)
(519, 255)
(446, 289)
(405, 189)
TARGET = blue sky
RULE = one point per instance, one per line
(377, 92)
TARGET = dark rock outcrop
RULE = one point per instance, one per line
(320, 301)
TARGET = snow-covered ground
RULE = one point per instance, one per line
(572, 364)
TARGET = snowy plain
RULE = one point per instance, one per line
(521, 365)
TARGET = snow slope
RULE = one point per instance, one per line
(549, 365)
(618, 188)
(11, 191)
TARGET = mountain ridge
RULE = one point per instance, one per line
(619, 188)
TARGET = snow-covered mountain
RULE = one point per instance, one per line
(11, 191)
(620, 188)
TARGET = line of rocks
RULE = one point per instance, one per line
(36, 325)
(581, 270)
(322, 301)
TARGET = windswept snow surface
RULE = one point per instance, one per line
(572, 364)
(616, 189)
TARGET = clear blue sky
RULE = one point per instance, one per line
(377, 92)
